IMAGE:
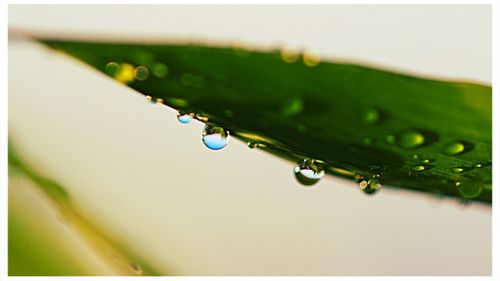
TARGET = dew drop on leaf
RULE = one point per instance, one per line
(112, 68)
(371, 116)
(184, 118)
(160, 70)
(215, 137)
(470, 186)
(308, 172)
(419, 168)
(390, 139)
(411, 139)
(141, 73)
(457, 169)
(454, 148)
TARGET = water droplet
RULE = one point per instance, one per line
(215, 137)
(470, 186)
(112, 68)
(201, 118)
(454, 148)
(159, 101)
(149, 98)
(411, 139)
(308, 172)
(371, 116)
(252, 144)
(478, 165)
(415, 156)
(390, 139)
(311, 59)
(160, 70)
(457, 170)
(184, 118)
(141, 73)
(425, 161)
(419, 168)
(292, 107)
(372, 186)
(290, 54)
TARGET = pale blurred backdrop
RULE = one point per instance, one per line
(146, 179)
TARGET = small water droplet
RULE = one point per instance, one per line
(390, 139)
(215, 137)
(141, 73)
(149, 98)
(454, 148)
(478, 165)
(371, 116)
(159, 101)
(292, 107)
(290, 54)
(252, 144)
(201, 117)
(411, 139)
(311, 59)
(184, 118)
(425, 161)
(457, 170)
(470, 186)
(419, 168)
(308, 172)
(372, 186)
(112, 68)
(415, 156)
(160, 70)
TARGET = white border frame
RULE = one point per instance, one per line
(4, 134)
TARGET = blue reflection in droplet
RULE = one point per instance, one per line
(215, 137)
(184, 118)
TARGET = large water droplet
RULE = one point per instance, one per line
(184, 118)
(470, 186)
(411, 139)
(308, 172)
(454, 148)
(215, 137)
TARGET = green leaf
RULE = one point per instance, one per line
(420, 134)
